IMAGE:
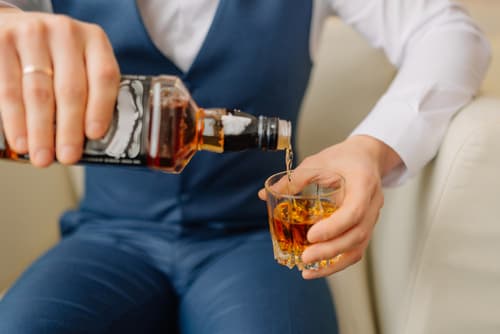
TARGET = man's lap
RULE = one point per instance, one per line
(221, 285)
(246, 291)
(82, 286)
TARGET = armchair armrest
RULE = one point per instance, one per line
(435, 252)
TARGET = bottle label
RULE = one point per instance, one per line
(125, 141)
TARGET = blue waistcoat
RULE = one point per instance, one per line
(255, 58)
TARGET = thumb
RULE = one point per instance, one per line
(262, 194)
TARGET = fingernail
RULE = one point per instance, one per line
(313, 266)
(95, 129)
(311, 238)
(309, 274)
(262, 194)
(43, 157)
(21, 144)
(68, 153)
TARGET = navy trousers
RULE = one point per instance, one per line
(111, 279)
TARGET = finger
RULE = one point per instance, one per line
(70, 82)
(262, 194)
(103, 82)
(352, 238)
(11, 97)
(346, 217)
(301, 177)
(38, 94)
(291, 183)
(346, 260)
(359, 195)
(330, 249)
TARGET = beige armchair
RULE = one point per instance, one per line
(432, 266)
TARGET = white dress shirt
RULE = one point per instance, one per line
(441, 55)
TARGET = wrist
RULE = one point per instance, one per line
(384, 156)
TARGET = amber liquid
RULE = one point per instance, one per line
(292, 220)
(288, 166)
(289, 162)
(7, 153)
(178, 135)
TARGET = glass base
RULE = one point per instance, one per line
(292, 260)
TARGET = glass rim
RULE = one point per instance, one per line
(290, 196)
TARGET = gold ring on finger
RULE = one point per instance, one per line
(31, 69)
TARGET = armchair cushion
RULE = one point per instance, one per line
(434, 255)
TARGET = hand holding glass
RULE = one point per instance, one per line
(296, 201)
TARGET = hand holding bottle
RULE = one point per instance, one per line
(54, 70)
(344, 236)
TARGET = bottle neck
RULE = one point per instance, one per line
(225, 130)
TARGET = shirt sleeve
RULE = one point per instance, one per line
(442, 58)
(28, 5)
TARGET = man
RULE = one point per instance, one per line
(147, 252)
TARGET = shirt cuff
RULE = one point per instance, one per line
(35, 6)
(409, 133)
(4, 4)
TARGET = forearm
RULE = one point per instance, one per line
(440, 74)
(442, 58)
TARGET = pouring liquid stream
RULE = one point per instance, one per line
(288, 165)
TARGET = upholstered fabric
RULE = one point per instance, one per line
(434, 255)
(29, 196)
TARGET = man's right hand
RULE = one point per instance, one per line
(54, 70)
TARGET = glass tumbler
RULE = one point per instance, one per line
(296, 200)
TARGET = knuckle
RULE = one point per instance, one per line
(72, 91)
(323, 253)
(10, 93)
(356, 214)
(6, 37)
(67, 131)
(34, 27)
(361, 236)
(108, 73)
(97, 31)
(328, 235)
(41, 94)
(40, 124)
(64, 24)
(306, 160)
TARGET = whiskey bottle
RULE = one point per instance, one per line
(157, 124)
